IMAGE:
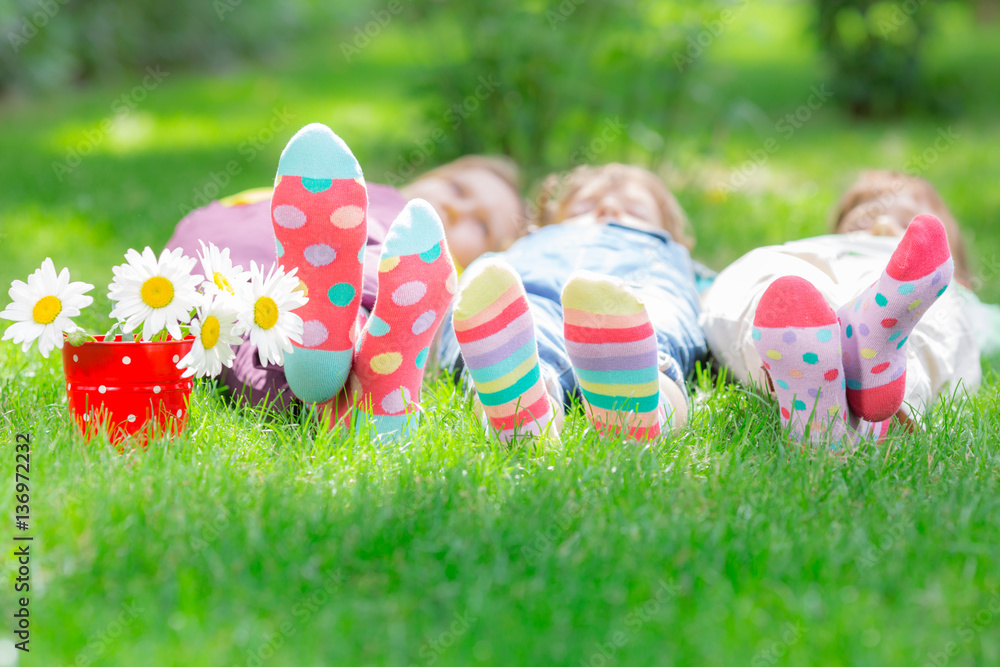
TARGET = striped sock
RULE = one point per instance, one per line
(497, 336)
(612, 346)
(319, 213)
(416, 282)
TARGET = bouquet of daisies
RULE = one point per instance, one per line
(158, 299)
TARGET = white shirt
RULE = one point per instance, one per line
(942, 352)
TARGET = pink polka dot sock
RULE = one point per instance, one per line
(319, 213)
(876, 325)
(416, 282)
(798, 337)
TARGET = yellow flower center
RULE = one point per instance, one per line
(265, 312)
(210, 332)
(157, 292)
(222, 283)
(46, 310)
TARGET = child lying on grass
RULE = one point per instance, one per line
(477, 197)
(898, 338)
(599, 302)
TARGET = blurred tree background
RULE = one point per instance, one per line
(548, 74)
(58, 43)
(555, 66)
(693, 89)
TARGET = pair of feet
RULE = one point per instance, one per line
(363, 369)
(609, 338)
(832, 369)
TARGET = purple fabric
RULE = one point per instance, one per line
(258, 385)
(246, 231)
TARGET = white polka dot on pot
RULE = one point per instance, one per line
(102, 389)
(179, 413)
(157, 389)
(126, 360)
(131, 418)
(86, 417)
(177, 358)
(76, 358)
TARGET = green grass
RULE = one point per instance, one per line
(254, 537)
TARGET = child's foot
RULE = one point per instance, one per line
(798, 338)
(612, 347)
(876, 325)
(497, 336)
(319, 213)
(416, 282)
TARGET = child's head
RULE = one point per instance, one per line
(884, 202)
(479, 201)
(611, 192)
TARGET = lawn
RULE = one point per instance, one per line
(254, 540)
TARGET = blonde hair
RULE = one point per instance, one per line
(875, 190)
(559, 189)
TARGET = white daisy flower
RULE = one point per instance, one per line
(155, 293)
(266, 312)
(221, 277)
(42, 308)
(214, 339)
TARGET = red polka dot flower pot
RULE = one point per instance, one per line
(181, 325)
(127, 387)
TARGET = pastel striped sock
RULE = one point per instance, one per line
(416, 282)
(798, 338)
(495, 331)
(612, 347)
(877, 324)
(319, 212)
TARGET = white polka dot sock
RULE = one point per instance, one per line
(876, 325)
(797, 336)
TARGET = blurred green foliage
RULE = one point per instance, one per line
(549, 82)
(531, 79)
(51, 43)
(877, 51)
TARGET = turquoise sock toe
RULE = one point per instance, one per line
(315, 152)
(416, 230)
(316, 375)
(387, 427)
